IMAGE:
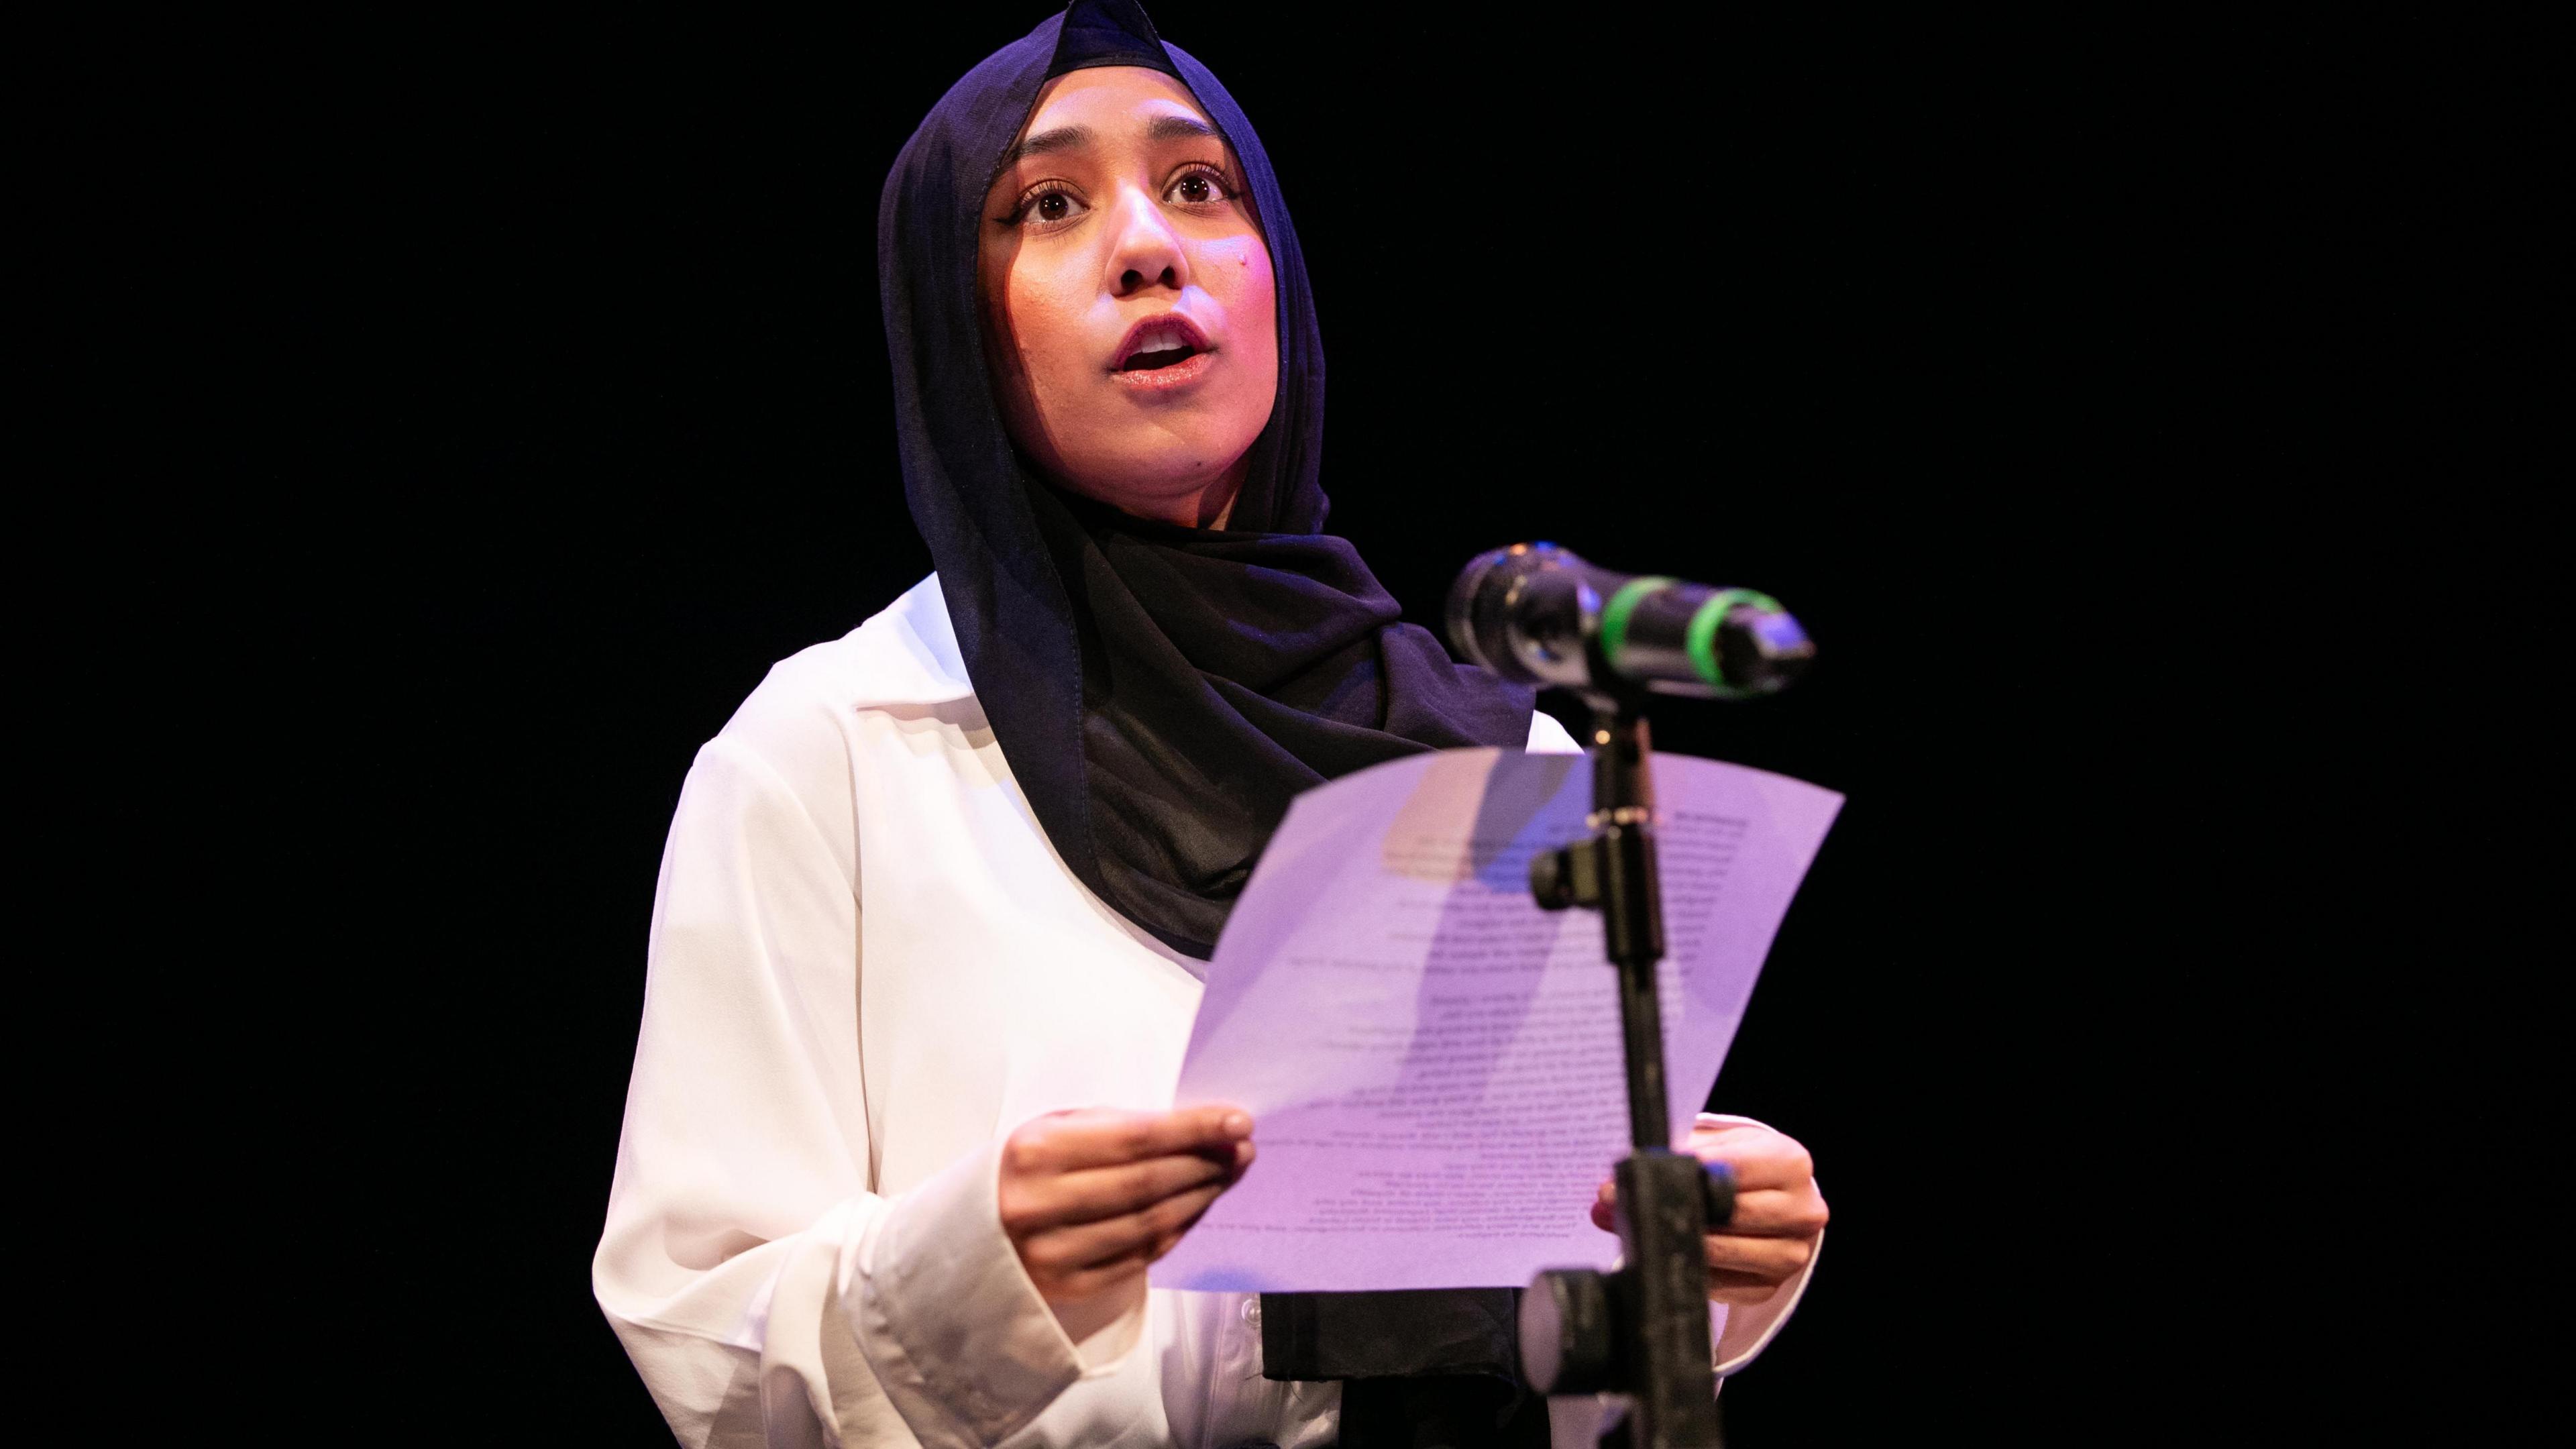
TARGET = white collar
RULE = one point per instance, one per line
(910, 651)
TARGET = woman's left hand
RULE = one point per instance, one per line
(1778, 1212)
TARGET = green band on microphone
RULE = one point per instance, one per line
(1614, 614)
(1701, 638)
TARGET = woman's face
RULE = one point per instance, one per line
(1127, 297)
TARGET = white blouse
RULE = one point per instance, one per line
(867, 966)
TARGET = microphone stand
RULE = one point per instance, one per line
(1640, 1332)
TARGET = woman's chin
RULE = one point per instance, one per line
(1148, 488)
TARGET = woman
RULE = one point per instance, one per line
(936, 904)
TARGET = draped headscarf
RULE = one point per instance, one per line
(1162, 692)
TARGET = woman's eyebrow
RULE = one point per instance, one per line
(1169, 127)
(1164, 127)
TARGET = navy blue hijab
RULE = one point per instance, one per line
(1160, 692)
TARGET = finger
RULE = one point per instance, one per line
(1096, 1244)
(1764, 1212)
(1091, 1194)
(1757, 1158)
(1099, 1137)
(1733, 1287)
(1777, 1213)
(1082, 1245)
(1098, 1278)
(1776, 1259)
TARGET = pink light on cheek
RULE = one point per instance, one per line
(1235, 249)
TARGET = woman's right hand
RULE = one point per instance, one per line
(1090, 1196)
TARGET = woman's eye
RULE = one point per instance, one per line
(1048, 207)
(1199, 188)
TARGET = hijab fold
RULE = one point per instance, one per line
(1161, 693)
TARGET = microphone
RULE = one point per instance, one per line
(1535, 613)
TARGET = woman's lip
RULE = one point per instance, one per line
(1175, 320)
(1157, 379)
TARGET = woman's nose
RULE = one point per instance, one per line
(1146, 252)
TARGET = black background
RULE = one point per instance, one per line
(2035, 367)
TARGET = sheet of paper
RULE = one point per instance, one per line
(1432, 1061)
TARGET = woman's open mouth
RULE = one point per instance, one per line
(1164, 351)
(1166, 357)
(1182, 368)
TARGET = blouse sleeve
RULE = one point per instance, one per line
(767, 1295)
